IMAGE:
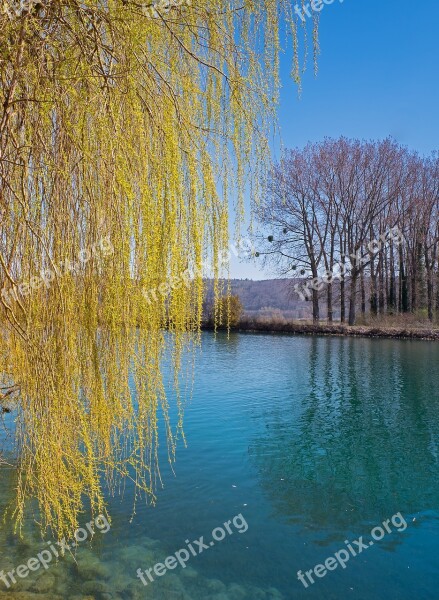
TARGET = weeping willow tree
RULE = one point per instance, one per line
(118, 126)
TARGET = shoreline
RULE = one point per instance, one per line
(337, 330)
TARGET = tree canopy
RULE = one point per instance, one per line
(360, 214)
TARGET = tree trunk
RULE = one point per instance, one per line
(404, 284)
(373, 289)
(413, 296)
(391, 304)
(343, 292)
(353, 298)
(429, 277)
(329, 302)
(404, 295)
(315, 307)
(430, 297)
(437, 295)
(381, 296)
(363, 293)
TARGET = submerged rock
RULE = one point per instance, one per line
(172, 583)
(28, 596)
(133, 555)
(236, 592)
(274, 594)
(189, 572)
(136, 591)
(45, 583)
(215, 585)
(96, 588)
(88, 566)
(23, 585)
(150, 543)
(257, 594)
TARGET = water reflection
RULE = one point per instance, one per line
(314, 440)
(356, 436)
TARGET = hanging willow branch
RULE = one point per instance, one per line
(116, 131)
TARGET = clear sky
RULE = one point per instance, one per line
(378, 76)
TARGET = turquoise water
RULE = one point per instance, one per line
(313, 441)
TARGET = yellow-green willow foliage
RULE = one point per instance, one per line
(120, 127)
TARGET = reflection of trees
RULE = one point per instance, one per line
(228, 343)
(357, 438)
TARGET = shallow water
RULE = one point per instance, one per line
(314, 441)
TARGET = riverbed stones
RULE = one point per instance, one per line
(236, 592)
(45, 583)
(89, 566)
(138, 554)
(28, 596)
(96, 588)
(150, 543)
(112, 576)
(23, 585)
(189, 573)
(257, 594)
(215, 586)
(274, 594)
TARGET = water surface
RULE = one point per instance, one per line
(314, 441)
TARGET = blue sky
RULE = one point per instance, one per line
(378, 76)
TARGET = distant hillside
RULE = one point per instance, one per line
(270, 296)
(273, 293)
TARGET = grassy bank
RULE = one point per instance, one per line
(384, 329)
